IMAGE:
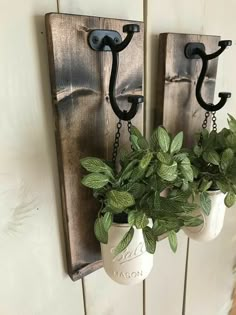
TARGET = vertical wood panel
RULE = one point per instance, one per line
(33, 279)
(211, 265)
(102, 296)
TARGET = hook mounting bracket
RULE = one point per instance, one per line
(197, 51)
(96, 39)
(109, 40)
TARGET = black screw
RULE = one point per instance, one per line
(95, 39)
(116, 40)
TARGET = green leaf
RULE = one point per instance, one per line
(149, 240)
(222, 185)
(95, 180)
(193, 221)
(164, 157)
(231, 140)
(134, 141)
(154, 140)
(197, 150)
(137, 174)
(107, 220)
(163, 139)
(229, 199)
(168, 172)
(180, 157)
(100, 232)
(132, 217)
(150, 170)
(226, 159)
(158, 228)
(157, 201)
(120, 199)
(137, 190)
(126, 173)
(146, 160)
(173, 240)
(205, 202)
(143, 144)
(186, 169)
(205, 185)
(95, 165)
(134, 131)
(141, 220)
(232, 123)
(177, 143)
(127, 238)
(211, 157)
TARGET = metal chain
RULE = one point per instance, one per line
(117, 141)
(214, 126)
(204, 124)
(129, 124)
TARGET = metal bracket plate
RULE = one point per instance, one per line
(96, 37)
(190, 49)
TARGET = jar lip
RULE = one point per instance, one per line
(214, 191)
(121, 224)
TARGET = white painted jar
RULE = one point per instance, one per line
(213, 223)
(133, 264)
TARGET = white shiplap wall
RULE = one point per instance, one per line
(32, 273)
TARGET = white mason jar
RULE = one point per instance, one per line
(133, 264)
(213, 223)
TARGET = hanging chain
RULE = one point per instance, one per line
(214, 126)
(204, 124)
(117, 141)
(129, 124)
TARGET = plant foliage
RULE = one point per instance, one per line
(214, 163)
(152, 188)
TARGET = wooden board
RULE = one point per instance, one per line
(177, 107)
(84, 121)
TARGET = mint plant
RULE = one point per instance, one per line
(214, 164)
(151, 189)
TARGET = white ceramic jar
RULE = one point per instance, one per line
(213, 223)
(133, 264)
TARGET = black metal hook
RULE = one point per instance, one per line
(196, 51)
(111, 40)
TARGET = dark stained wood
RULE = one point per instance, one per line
(84, 121)
(177, 107)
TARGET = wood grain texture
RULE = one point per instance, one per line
(84, 121)
(177, 107)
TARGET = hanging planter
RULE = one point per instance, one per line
(212, 223)
(142, 203)
(214, 162)
(132, 265)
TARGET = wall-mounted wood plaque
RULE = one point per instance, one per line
(177, 107)
(84, 121)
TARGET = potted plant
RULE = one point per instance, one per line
(147, 199)
(214, 163)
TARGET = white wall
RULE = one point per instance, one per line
(32, 273)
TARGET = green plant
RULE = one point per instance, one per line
(152, 186)
(214, 163)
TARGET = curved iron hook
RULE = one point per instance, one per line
(135, 100)
(192, 50)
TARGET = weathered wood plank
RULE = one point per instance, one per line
(177, 109)
(85, 122)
